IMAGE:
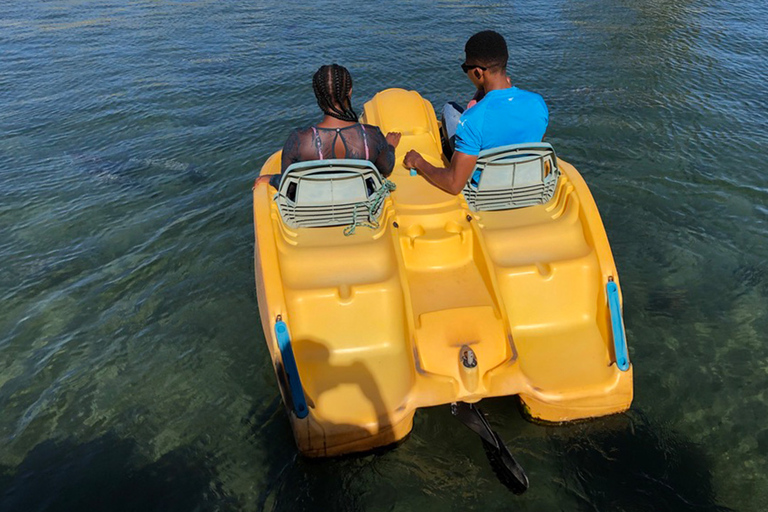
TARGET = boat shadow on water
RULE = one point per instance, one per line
(630, 463)
(624, 463)
(295, 482)
(109, 473)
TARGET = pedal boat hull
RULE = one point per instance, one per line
(377, 320)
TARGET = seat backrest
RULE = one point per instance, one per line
(322, 193)
(513, 177)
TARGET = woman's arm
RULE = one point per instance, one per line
(291, 151)
(385, 161)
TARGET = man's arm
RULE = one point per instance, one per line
(451, 179)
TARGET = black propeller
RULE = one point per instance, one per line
(507, 470)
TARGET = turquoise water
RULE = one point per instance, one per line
(133, 371)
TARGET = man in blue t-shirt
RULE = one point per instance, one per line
(499, 114)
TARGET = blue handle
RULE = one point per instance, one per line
(414, 172)
(291, 370)
(617, 324)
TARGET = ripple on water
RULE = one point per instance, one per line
(129, 333)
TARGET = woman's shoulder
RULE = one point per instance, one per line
(300, 133)
(303, 130)
(297, 138)
(372, 130)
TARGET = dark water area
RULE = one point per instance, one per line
(133, 370)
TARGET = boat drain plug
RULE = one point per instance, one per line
(468, 358)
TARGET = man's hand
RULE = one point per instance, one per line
(411, 159)
(450, 179)
(393, 138)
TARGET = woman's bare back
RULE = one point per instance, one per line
(356, 141)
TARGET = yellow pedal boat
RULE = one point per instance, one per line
(376, 302)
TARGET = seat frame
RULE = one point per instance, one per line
(299, 206)
(513, 176)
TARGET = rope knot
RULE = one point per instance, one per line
(373, 204)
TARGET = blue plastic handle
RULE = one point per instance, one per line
(291, 370)
(414, 172)
(617, 324)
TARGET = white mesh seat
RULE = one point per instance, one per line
(334, 192)
(513, 177)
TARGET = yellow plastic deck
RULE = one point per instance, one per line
(378, 319)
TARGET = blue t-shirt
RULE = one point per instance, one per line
(502, 117)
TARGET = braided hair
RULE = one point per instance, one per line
(332, 85)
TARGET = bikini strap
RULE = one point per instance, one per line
(318, 143)
(365, 141)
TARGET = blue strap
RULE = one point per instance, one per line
(617, 324)
(291, 370)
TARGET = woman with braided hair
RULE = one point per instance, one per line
(339, 134)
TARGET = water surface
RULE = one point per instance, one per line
(133, 371)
